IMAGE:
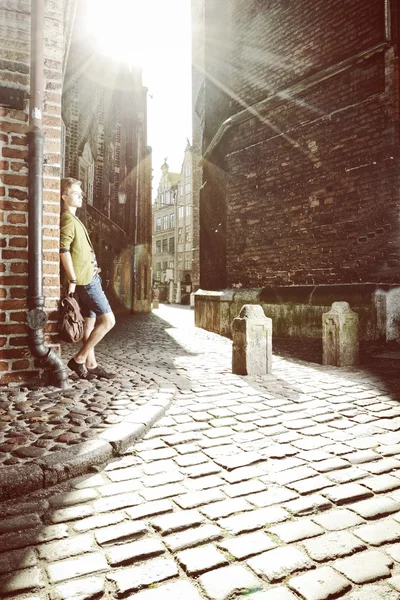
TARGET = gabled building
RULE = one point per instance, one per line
(173, 228)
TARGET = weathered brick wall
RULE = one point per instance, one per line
(16, 363)
(104, 106)
(313, 183)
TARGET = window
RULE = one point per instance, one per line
(180, 235)
(181, 212)
(171, 245)
(187, 170)
(188, 210)
(158, 247)
(171, 264)
(165, 245)
(162, 199)
(181, 190)
(172, 220)
(167, 197)
(158, 224)
(165, 222)
(188, 188)
(180, 262)
(158, 271)
(188, 233)
(165, 266)
(188, 261)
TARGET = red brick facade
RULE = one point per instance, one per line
(117, 230)
(308, 190)
(16, 363)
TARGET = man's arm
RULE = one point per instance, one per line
(67, 234)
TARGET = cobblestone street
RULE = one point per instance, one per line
(282, 487)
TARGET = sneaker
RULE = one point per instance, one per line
(101, 373)
(78, 368)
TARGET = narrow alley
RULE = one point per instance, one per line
(282, 487)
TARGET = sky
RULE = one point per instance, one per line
(155, 35)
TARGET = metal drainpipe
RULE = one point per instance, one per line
(37, 317)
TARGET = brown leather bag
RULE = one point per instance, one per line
(71, 322)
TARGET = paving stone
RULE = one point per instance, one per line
(201, 470)
(335, 520)
(163, 491)
(17, 559)
(72, 513)
(189, 460)
(382, 483)
(292, 475)
(192, 537)
(19, 523)
(241, 459)
(393, 551)
(243, 546)
(162, 454)
(22, 581)
(308, 505)
(320, 584)
(384, 465)
(362, 457)
(380, 591)
(134, 578)
(278, 563)
(199, 560)
(99, 521)
(244, 488)
(365, 567)
(312, 484)
(159, 466)
(255, 519)
(378, 506)
(80, 589)
(121, 531)
(346, 493)
(226, 508)
(71, 498)
(195, 499)
(333, 545)
(296, 530)
(277, 593)
(75, 567)
(65, 548)
(204, 483)
(222, 583)
(177, 521)
(346, 475)
(384, 532)
(161, 479)
(22, 539)
(331, 464)
(274, 495)
(133, 551)
(179, 590)
(121, 487)
(115, 502)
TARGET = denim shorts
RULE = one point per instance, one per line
(92, 300)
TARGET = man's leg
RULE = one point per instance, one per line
(102, 325)
(90, 322)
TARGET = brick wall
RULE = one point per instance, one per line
(16, 363)
(312, 188)
(104, 108)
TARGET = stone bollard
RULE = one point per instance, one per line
(340, 336)
(252, 342)
(156, 296)
(171, 292)
(192, 300)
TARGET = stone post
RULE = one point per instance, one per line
(192, 300)
(171, 291)
(252, 342)
(340, 336)
(156, 295)
(178, 293)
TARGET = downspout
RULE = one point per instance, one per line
(37, 317)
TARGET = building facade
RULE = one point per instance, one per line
(297, 117)
(29, 241)
(173, 228)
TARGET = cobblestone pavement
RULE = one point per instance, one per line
(281, 487)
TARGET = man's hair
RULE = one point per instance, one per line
(67, 183)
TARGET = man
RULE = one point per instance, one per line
(80, 266)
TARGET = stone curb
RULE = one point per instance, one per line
(79, 459)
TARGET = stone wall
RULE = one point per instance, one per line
(312, 173)
(16, 363)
